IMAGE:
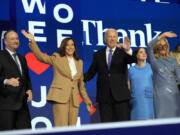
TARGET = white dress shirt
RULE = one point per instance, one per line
(72, 66)
(113, 49)
(11, 53)
(107, 52)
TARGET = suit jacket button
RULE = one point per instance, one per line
(72, 88)
(71, 80)
(109, 74)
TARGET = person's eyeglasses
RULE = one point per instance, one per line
(162, 47)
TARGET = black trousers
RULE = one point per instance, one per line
(18, 119)
(114, 111)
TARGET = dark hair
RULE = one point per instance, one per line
(62, 48)
(5, 34)
(136, 52)
(176, 48)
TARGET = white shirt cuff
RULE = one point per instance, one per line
(5, 81)
(129, 52)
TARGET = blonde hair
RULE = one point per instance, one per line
(156, 46)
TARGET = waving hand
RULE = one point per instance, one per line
(27, 35)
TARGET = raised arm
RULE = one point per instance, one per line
(35, 49)
(151, 44)
(150, 50)
(168, 34)
(126, 45)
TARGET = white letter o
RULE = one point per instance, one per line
(44, 120)
(60, 19)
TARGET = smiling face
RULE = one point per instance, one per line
(162, 48)
(12, 40)
(111, 38)
(141, 55)
(70, 48)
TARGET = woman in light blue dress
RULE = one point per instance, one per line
(140, 82)
(166, 72)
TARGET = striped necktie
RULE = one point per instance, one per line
(16, 61)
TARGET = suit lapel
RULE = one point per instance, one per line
(21, 64)
(78, 68)
(104, 58)
(113, 56)
(12, 60)
(67, 69)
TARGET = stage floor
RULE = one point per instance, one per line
(144, 127)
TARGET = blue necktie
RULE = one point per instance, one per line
(109, 58)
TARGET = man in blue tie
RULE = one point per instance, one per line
(15, 86)
(110, 63)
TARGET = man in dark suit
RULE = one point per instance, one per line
(112, 91)
(15, 86)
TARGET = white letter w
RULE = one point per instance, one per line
(30, 7)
